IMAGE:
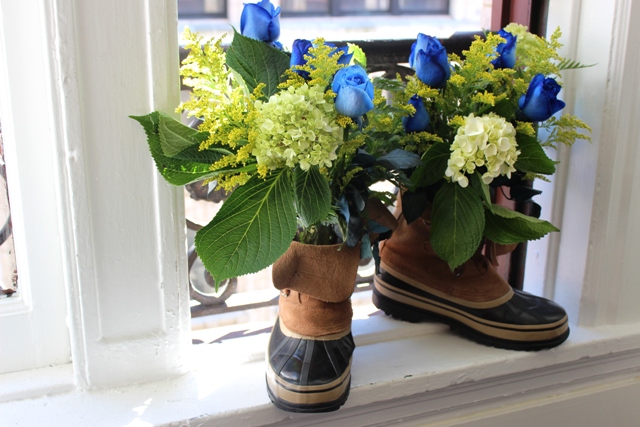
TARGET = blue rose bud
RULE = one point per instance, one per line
(429, 59)
(299, 49)
(540, 102)
(260, 21)
(506, 51)
(354, 91)
(419, 122)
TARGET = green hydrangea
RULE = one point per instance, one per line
(488, 141)
(297, 126)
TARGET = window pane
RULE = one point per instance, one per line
(423, 6)
(201, 8)
(305, 6)
(8, 273)
(363, 6)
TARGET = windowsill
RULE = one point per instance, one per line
(417, 369)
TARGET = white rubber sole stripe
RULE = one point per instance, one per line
(308, 395)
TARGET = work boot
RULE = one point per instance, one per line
(415, 285)
(311, 346)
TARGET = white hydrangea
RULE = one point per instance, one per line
(296, 126)
(488, 141)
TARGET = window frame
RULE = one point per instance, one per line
(33, 319)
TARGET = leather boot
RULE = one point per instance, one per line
(311, 346)
(415, 285)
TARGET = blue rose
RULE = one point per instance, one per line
(346, 56)
(429, 59)
(354, 91)
(260, 21)
(506, 51)
(419, 122)
(540, 102)
(301, 47)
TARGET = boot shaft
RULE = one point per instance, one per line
(316, 283)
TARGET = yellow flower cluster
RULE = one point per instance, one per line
(487, 141)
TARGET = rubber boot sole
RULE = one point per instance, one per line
(404, 305)
(309, 399)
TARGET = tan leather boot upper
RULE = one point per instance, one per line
(316, 284)
(409, 253)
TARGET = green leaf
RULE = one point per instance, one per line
(457, 223)
(176, 137)
(570, 64)
(483, 189)
(504, 108)
(313, 195)
(434, 164)
(253, 228)
(175, 171)
(359, 57)
(400, 159)
(532, 158)
(208, 156)
(506, 227)
(257, 62)
(182, 142)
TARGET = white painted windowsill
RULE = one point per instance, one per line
(401, 371)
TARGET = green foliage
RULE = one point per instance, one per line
(312, 195)
(570, 64)
(182, 142)
(482, 189)
(292, 165)
(253, 228)
(532, 158)
(434, 164)
(175, 171)
(256, 62)
(359, 57)
(457, 223)
(506, 227)
(565, 130)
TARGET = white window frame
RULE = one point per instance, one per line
(133, 367)
(32, 322)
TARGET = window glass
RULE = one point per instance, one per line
(201, 8)
(8, 272)
(364, 6)
(305, 7)
(422, 6)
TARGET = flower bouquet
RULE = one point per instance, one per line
(297, 139)
(481, 124)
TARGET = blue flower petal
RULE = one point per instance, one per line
(260, 21)
(353, 102)
(429, 70)
(419, 122)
